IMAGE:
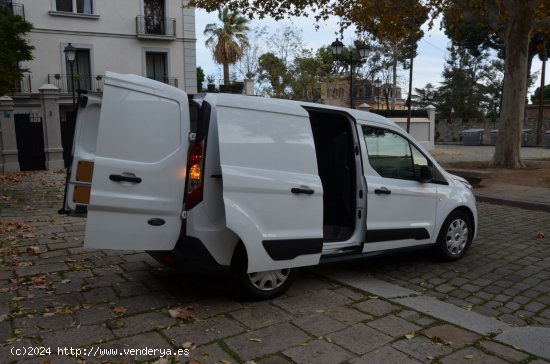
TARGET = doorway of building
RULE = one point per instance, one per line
(29, 135)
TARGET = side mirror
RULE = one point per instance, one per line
(426, 174)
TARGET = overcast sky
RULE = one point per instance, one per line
(428, 65)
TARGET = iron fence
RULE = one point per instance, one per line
(12, 8)
(172, 81)
(81, 81)
(18, 9)
(23, 86)
(152, 25)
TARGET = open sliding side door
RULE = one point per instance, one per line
(271, 187)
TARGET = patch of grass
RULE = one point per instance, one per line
(229, 352)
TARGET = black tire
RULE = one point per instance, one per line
(251, 285)
(455, 236)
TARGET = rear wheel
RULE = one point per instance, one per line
(455, 236)
(260, 285)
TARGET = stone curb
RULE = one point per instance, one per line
(514, 203)
(530, 339)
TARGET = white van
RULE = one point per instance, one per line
(255, 186)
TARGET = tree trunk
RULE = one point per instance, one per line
(516, 37)
(394, 76)
(226, 74)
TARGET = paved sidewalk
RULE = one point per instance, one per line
(460, 153)
(534, 198)
(54, 293)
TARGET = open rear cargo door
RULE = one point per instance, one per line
(137, 165)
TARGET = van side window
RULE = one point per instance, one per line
(391, 155)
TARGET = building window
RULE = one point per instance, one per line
(155, 63)
(154, 16)
(74, 6)
(82, 70)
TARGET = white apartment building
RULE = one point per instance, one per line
(152, 38)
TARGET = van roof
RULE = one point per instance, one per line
(281, 106)
(290, 107)
(143, 84)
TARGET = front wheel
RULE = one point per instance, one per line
(261, 286)
(455, 236)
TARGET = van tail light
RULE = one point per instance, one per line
(195, 175)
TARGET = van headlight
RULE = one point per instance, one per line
(466, 184)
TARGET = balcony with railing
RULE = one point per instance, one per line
(172, 81)
(19, 9)
(23, 86)
(155, 27)
(81, 81)
(12, 8)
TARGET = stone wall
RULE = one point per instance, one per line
(447, 131)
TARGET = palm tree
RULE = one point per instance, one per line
(227, 40)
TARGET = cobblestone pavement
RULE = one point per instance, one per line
(54, 293)
(505, 274)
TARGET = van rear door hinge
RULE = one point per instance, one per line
(184, 214)
(192, 136)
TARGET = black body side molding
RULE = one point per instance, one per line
(290, 249)
(376, 236)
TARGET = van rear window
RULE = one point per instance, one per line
(194, 109)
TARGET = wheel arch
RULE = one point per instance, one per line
(240, 256)
(470, 215)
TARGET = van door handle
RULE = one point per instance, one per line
(306, 191)
(382, 191)
(122, 178)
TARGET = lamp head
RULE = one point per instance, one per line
(70, 53)
(337, 47)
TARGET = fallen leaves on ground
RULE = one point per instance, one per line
(182, 313)
(161, 361)
(38, 280)
(188, 345)
(540, 235)
(34, 250)
(120, 309)
(116, 324)
(13, 225)
(410, 335)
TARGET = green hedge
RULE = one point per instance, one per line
(401, 113)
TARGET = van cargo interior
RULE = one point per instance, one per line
(334, 145)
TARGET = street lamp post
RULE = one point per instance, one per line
(377, 84)
(363, 50)
(543, 57)
(70, 56)
(495, 105)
